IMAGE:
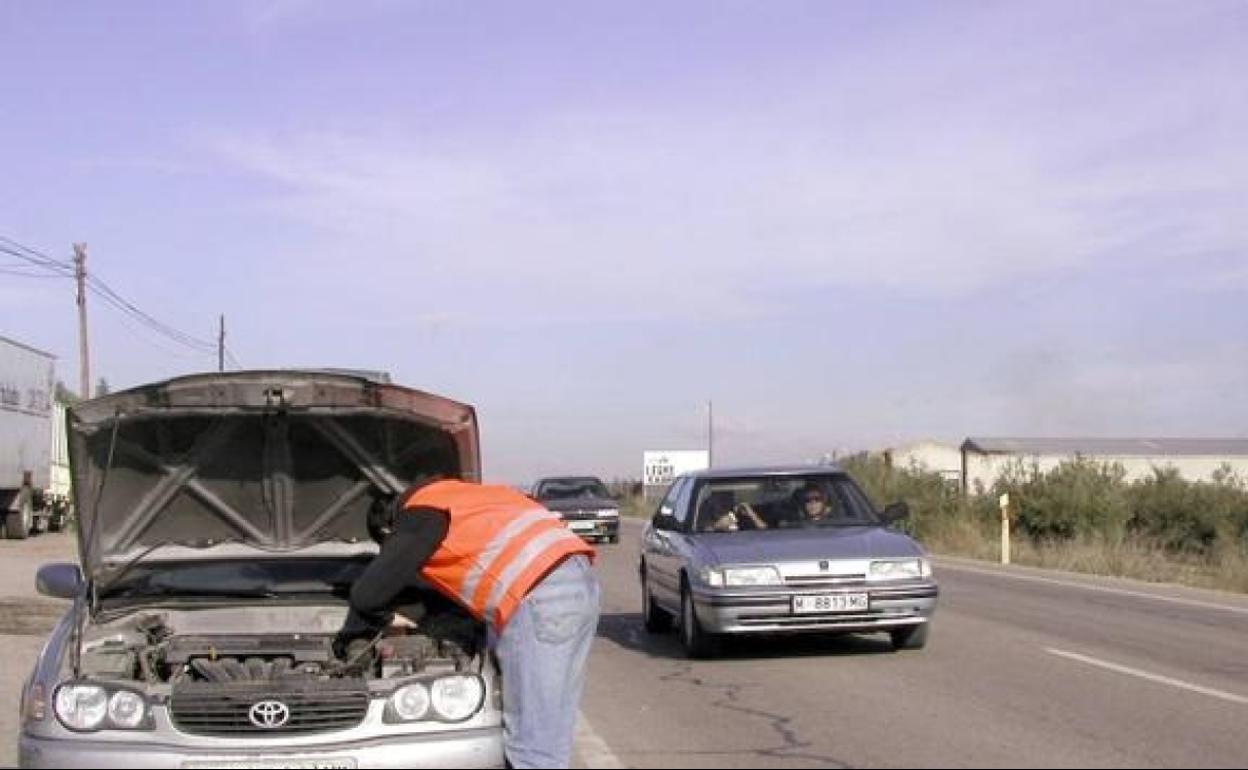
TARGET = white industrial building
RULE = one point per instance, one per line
(931, 456)
(1196, 459)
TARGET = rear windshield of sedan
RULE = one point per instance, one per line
(781, 502)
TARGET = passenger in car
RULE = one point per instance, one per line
(719, 514)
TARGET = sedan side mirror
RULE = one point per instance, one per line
(896, 512)
(60, 580)
(663, 520)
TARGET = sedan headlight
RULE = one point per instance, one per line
(899, 569)
(82, 706)
(86, 707)
(740, 577)
(457, 697)
(126, 709)
(410, 702)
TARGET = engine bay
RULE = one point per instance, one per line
(150, 648)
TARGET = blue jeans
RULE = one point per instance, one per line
(542, 652)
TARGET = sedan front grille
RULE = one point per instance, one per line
(216, 708)
(825, 581)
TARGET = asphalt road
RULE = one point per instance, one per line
(1023, 668)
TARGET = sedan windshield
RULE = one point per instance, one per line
(781, 502)
(571, 489)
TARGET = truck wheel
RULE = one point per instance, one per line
(17, 524)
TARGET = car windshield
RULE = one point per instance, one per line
(571, 489)
(259, 578)
(781, 502)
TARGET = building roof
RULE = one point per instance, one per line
(1116, 447)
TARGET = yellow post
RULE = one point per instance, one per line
(1004, 502)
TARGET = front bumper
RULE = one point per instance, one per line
(468, 748)
(737, 611)
(595, 529)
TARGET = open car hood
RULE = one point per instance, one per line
(276, 460)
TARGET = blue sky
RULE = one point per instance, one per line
(849, 224)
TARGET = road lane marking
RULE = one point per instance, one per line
(593, 749)
(1159, 679)
(942, 564)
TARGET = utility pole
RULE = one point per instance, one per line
(710, 433)
(221, 346)
(84, 356)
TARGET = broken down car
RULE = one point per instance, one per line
(223, 519)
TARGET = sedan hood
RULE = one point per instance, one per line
(807, 544)
(580, 504)
(276, 460)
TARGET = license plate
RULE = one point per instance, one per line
(581, 526)
(277, 764)
(814, 603)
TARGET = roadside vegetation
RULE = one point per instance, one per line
(1082, 516)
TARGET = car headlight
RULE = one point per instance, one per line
(712, 577)
(751, 576)
(739, 577)
(457, 697)
(899, 569)
(126, 709)
(82, 706)
(93, 707)
(410, 702)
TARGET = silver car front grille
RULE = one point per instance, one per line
(227, 709)
(825, 581)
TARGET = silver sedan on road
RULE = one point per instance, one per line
(781, 550)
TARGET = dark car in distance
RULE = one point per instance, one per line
(584, 503)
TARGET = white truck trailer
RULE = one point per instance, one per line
(28, 504)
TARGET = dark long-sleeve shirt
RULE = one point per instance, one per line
(385, 584)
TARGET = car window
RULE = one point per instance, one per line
(682, 504)
(781, 502)
(668, 506)
(571, 489)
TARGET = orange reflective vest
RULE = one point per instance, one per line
(499, 544)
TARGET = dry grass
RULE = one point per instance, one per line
(1226, 570)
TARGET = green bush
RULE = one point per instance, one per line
(1195, 518)
(1080, 498)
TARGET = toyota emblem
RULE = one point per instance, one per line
(269, 714)
(823, 565)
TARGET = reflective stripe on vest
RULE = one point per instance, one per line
(495, 548)
(498, 545)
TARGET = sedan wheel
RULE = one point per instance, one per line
(698, 643)
(18, 524)
(912, 638)
(656, 619)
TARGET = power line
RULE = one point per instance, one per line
(25, 273)
(34, 255)
(38, 260)
(105, 292)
